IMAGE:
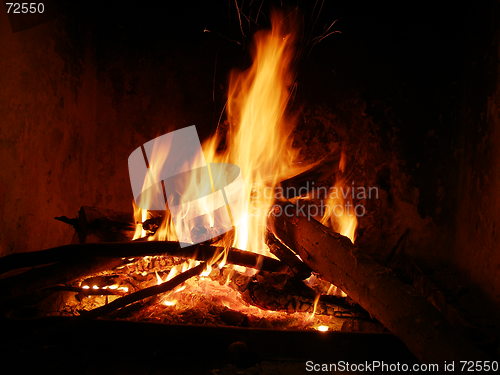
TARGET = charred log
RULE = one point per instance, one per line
(99, 224)
(281, 292)
(36, 280)
(375, 288)
(145, 293)
(269, 298)
(95, 224)
(76, 252)
(282, 252)
(72, 262)
(87, 292)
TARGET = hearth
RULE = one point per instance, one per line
(252, 185)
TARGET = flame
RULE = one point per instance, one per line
(158, 279)
(259, 138)
(258, 141)
(156, 161)
(339, 213)
(315, 306)
(166, 231)
(140, 216)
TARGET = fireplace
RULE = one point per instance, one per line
(270, 186)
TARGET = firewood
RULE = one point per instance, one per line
(87, 292)
(38, 279)
(75, 252)
(101, 224)
(284, 292)
(375, 288)
(71, 262)
(282, 252)
(144, 293)
(300, 184)
(151, 264)
(268, 298)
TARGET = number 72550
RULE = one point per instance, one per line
(23, 8)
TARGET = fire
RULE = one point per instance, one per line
(259, 142)
(339, 213)
(140, 217)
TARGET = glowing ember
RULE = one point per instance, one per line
(322, 328)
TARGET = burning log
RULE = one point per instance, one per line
(284, 292)
(299, 269)
(35, 280)
(375, 288)
(71, 262)
(290, 300)
(95, 224)
(75, 252)
(145, 293)
(87, 292)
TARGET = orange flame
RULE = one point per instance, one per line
(259, 137)
(339, 213)
(140, 216)
(259, 142)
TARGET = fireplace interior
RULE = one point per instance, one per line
(388, 112)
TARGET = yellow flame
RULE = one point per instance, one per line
(315, 305)
(340, 214)
(158, 279)
(140, 216)
(259, 138)
(180, 289)
(259, 142)
(166, 231)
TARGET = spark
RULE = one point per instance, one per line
(239, 17)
